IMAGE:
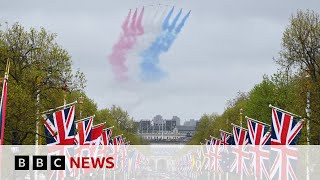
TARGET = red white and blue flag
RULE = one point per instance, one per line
(59, 127)
(240, 135)
(258, 133)
(258, 137)
(207, 155)
(106, 136)
(242, 156)
(216, 156)
(285, 128)
(119, 140)
(227, 157)
(3, 108)
(84, 131)
(285, 132)
(284, 159)
(226, 138)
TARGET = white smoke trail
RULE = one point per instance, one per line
(152, 24)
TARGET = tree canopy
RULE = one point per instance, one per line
(40, 67)
(286, 89)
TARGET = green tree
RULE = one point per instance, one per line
(301, 52)
(39, 67)
(121, 121)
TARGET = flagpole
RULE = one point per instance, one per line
(75, 102)
(257, 121)
(285, 111)
(118, 135)
(99, 124)
(238, 126)
(85, 118)
(108, 128)
(225, 132)
(212, 137)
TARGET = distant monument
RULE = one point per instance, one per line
(159, 130)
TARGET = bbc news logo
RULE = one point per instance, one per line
(59, 162)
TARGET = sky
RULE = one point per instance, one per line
(225, 47)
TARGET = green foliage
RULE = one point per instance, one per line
(39, 66)
(42, 68)
(286, 89)
(121, 122)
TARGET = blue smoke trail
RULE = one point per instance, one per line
(150, 57)
(180, 26)
(165, 23)
(173, 25)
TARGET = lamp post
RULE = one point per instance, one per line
(37, 139)
(119, 124)
(308, 108)
(65, 89)
(241, 110)
(81, 98)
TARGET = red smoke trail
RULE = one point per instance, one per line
(127, 40)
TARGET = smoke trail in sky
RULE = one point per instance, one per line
(152, 25)
(150, 57)
(128, 38)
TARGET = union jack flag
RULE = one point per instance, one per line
(285, 128)
(59, 127)
(84, 132)
(208, 142)
(118, 140)
(111, 141)
(258, 133)
(106, 136)
(226, 138)
(216, 155)
(258, 137)
(206, 153)
(240, 135)
(242, 155)
(283, 158)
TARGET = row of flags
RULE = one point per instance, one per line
(285, 130)
(263, 151)
(127, 161)
(80, 138)
(84, 139)
(60, 129)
